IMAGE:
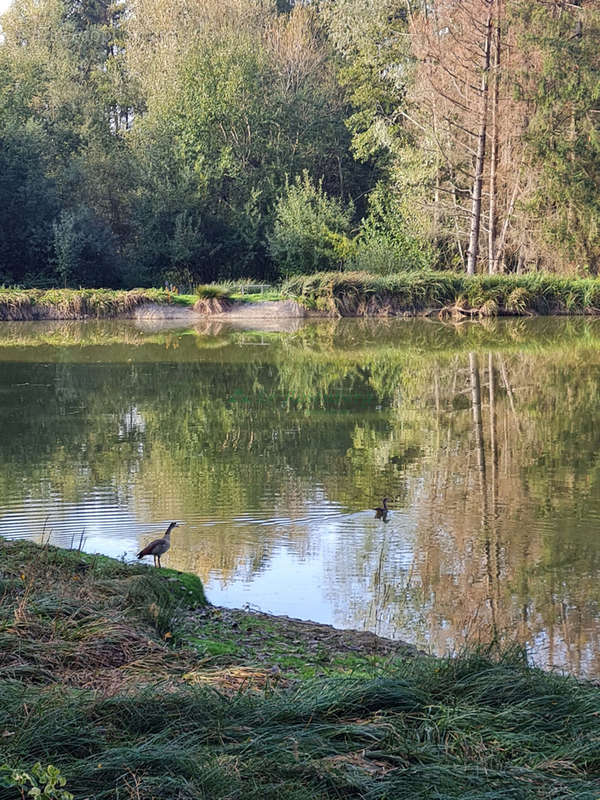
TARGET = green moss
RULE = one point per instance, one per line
(213, 648)
(187, 587)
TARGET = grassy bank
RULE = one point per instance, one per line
(73, 304)
(443, 293)
(448, 295)
(32, 304)
(122, 678)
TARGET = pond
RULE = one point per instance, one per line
(274, 446)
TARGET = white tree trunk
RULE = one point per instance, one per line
(480, 158)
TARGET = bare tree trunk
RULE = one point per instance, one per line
(493, 221)
(477, 419)
(502, 241)
(493, 442)
(458, 241)
(480, 159)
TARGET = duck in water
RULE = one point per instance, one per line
(381, 512)
(159, 547)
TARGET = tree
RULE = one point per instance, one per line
(558, 87)
(84, 249)
(29, 203)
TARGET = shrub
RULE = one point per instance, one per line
(211, 290)
(386, 243)
(311, 230)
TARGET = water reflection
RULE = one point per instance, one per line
(275, 447)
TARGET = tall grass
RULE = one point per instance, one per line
(470, 728)
(33, 304)
(361, 293)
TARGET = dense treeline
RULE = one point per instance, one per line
(163, 139)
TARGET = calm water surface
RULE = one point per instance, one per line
(273, 446)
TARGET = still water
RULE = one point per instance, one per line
(273, 446)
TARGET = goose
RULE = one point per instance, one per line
(159, 547)
(381, 512)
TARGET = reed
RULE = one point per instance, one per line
(444, 294)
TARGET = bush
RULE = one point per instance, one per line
(385, 243)
(311, 230)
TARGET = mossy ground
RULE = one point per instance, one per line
(125, 680)
(282, 649)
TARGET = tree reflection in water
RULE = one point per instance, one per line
(485, 437)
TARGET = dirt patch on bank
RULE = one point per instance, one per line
(316, 635)
(267, 309)
(159, 311)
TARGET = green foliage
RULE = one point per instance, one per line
(371, 38)
(311, 230)
(385, 243)
(210, 291)
(29, 201)
(85, 250)
(124, 162)
(43, 783)
(563, 133)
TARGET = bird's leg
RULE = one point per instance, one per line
(154, 557)
(159, 561)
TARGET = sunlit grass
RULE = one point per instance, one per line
(452, 294)
(31, 304)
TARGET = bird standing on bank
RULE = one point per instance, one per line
(381, 512)
(159, 547)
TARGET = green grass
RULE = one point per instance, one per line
(182, 299)
(361, 293)
(272, 295)
(337, 294)
(91, 684)
(229, 290)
